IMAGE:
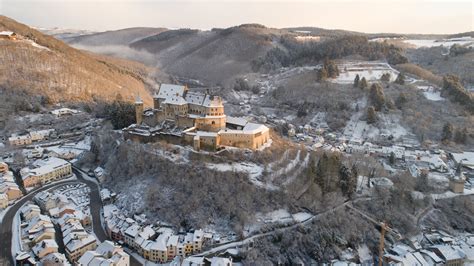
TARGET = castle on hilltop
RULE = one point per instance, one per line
(189, 117)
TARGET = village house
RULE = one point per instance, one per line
(457, 181)
(36, 152)
(47, 201)
(466, 158)
(3, 167)
(172, 246)
(452, 256)
(39, 135)
(158, 249)
(106, 253)
(3, 201)
(20, 140)
(7, 183)
(38, 227)
(194, 118)
(8, 35)
(130, 234)
(76, 240)
(11, 189)
(78, 243)
(198, 237)
(46, 170)
(29, 211)
(55, 259)
(45, 247)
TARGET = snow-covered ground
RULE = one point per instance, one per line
(253, 170)
(277, 217)
(444, 42)
(431, 92)
(36, 45)
(358, 130)
(433, 95)
(371, 70)
(178, 154)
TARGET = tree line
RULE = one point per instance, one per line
(298, 53)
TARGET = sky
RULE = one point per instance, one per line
(371, 16)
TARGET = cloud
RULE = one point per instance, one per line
(121, 51)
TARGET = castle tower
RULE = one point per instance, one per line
(139, 110)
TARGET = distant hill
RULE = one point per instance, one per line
(323, 32)
(116, 37)
(214, 56)
(39, 64)
(63, 34)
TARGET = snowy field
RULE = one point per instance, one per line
(431, 93)
(389, 125)
(277, 217)
(372, 71)
(254, 172)
(469, 41)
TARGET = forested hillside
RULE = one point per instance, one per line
(38, 64)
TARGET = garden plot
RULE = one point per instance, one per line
(372, 71)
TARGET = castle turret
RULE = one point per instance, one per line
(139, 110)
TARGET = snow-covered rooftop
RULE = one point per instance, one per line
(466, 157)
(175, 99)
(238, 121)
(44, 166)
(6, 33)
(194, 97)
(168, 90)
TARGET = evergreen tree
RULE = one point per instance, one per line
(385, 77)
(353, 180)
(460, 136)
(321, 170)
(344, 179)
(400, 79)
(401, 100)
(327, 172)
(447, 134)
(391, 159)
(376, 96)
(356, 81)
(333, 70)
(371, 116)
(363, 83)
(120, 113)
(422, 183)
(322, 74)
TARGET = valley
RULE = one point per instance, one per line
(370, 137)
